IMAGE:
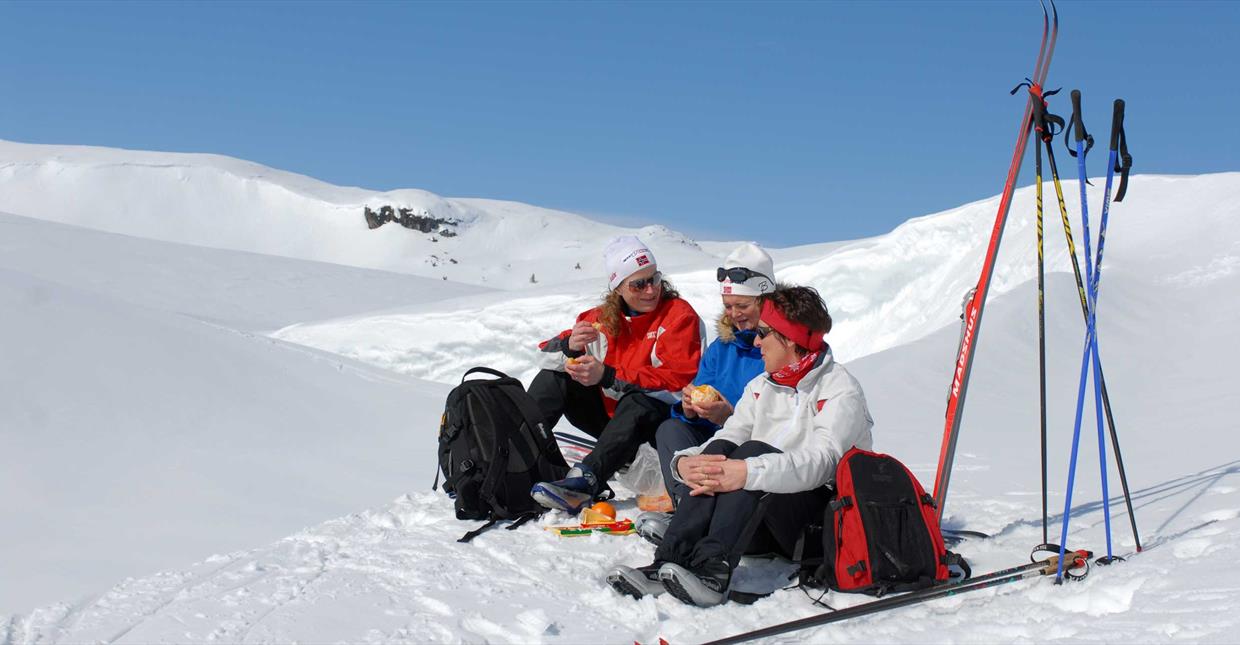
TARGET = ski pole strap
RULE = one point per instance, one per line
(1119, 142)
(1077, 127)
(1043, 122)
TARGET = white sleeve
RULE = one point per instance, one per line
(844, 422)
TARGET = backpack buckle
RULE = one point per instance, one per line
(858, 567)
(841, 503)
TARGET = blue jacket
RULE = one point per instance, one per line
(729, 363)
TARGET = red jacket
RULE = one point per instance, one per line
(656, 352)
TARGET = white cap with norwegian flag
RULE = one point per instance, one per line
(760, 276)
(625, 256)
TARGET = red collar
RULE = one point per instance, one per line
(792, 373)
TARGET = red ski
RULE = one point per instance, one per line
(972, 317)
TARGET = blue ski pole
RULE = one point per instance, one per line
(1084, 141)
(1117, 134)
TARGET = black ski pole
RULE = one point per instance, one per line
(1040, 128)
(1045, 567)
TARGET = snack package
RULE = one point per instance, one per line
(661, 503)
(645, 478)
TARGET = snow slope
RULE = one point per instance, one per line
(231, 288)
(143, 424)
(395, 574)
(163, 415)
(226, 203)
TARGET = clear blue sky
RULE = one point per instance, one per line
(780, 122)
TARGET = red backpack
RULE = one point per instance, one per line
(881, 532)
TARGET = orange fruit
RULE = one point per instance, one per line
(604, 508)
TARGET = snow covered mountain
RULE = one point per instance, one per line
(226, 203)
(149, 421)
(883, 292)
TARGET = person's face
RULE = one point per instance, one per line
(743, 310)
(642, 290)
(777, 352)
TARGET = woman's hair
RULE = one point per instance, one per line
(801, 305)
(612, 309)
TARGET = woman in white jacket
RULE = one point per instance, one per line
(791, 426)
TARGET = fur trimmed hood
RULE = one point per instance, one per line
(723, 327)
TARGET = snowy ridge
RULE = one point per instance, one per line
(221, 202)
(882, 292)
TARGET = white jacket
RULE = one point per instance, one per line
(813, 425)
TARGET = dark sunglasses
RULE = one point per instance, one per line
(737, 274)
(641, 283)
(763, 332)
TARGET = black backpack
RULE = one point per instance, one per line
(493, 447)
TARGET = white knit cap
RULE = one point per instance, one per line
(752, 257)
(625, 256)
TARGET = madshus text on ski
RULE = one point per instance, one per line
(634, 372)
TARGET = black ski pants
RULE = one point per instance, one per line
(707, 529)
(634, 422)
(673, 436)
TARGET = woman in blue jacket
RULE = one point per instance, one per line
(728, 364)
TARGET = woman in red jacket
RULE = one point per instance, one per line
(616, 373)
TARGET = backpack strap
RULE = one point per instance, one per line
(499, 464)
(956, 560)
(478, 531)
(483, 370)
(521, 519)
(534, 421)
(529, 412)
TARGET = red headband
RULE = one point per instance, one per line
(793, 331)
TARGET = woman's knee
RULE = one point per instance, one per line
(753, 449)
(672, 432)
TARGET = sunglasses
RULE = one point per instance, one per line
(763, 332)
(737, 274)
(639, 285)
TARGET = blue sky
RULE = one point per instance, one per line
(779, 122)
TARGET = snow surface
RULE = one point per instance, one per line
(226, 203)
(147, 425)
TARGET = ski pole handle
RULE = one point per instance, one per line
(1117, 124)
(1078, 120)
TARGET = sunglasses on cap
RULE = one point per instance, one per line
(737, 274)
(640, 284)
